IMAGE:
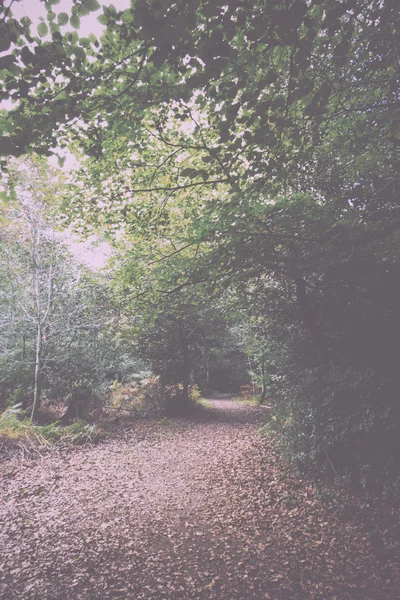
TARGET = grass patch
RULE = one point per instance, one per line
(197, 400)
(203, 403)
(16, 428)
(248, 400)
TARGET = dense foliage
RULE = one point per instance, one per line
(241, 157)
(57, 316)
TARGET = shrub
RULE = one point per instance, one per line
(141, 400)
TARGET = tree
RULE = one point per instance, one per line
(264, 85)
(37, 266)
(172, 328)
(257, 117)
(50, 303)
(246, 146)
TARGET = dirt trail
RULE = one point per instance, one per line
(177, 509)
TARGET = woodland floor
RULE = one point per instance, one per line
(195, 508)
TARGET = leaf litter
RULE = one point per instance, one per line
(199, 508)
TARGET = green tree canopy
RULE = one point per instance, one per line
(249, 146)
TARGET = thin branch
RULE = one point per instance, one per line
(177, 187)
(166, 256)
(182, 286)
(163, 163)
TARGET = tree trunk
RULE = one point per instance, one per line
(185, 363)
(38, 372)
(309, 318)
(253, 385)
(263, 383)
(39, 333)
(186, 373)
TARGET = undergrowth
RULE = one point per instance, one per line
(17, 432)
(248, 400)
(373, 505)
(197, 399)
(137, 400)
(203, 403)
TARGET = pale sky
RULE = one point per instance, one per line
(34, 9)
(91, 252)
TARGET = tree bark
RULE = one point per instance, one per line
(186, 374)
(38, 369)
(185, 362)
(253, 385)
(309, 318)
(39, 332)
(263, 383)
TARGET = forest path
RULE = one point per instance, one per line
(178, 509)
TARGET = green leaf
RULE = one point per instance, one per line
(14, 69)
(42, 29)
(54, 27)
(62, 96)
(27, 56)
(127, 16)
(79, 53)
(62, 19)
(85, 42)
(110, 9)
(103, 19)
(7, 61)
(4, 197)
(92, 4)
(188, 172)
(75, 21)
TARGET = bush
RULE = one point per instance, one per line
(140, 400)
(337, 413)
(13, 423)
(194, 393)
(82, 403)
(342, 421)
